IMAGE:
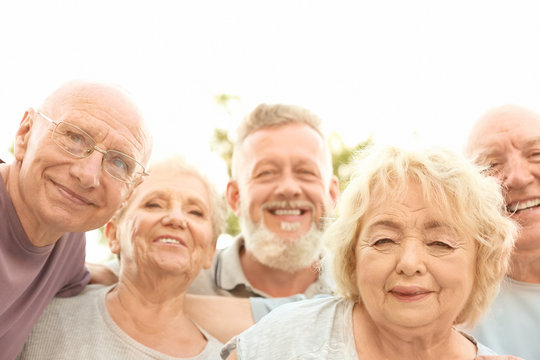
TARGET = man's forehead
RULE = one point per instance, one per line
(499, 138)
(268, 146)
(97, 102)
(274, 136)
(494, 130)
(118, 129)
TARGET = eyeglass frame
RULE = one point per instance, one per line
(95, 147)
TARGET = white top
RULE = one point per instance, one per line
(512, 325)
(80, 327)
(320, 328)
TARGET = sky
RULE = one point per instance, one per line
(392, 70)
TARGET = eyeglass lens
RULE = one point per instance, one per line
(81, 145)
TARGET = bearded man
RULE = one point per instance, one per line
(282, 188)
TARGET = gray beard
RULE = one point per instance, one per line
(275, 252)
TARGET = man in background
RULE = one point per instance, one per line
(77, 159)
(507, 141)
(282, 189)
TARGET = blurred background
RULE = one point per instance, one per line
(375, 71)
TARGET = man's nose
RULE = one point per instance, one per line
(517, 173)
(88, 171)
(288, 186)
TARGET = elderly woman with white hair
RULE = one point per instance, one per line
(165, 235)
(420, 247)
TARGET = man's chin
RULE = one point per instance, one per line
(287, 237)
(289, 253)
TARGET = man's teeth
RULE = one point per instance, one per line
(293, 212)
(288, 226)
(523, 205)
(169, 241)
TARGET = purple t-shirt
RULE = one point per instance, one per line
(31, 276)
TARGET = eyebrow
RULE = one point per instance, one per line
(532, 142)
(122, 145)
(385, 223)
(434, 224)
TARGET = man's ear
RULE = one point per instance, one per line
(111, 234)
(232, 195)
(333, 190)
(22, 136)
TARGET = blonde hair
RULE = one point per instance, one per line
(276, 115)
(449, 181)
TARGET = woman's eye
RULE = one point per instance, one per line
(197, 213)
(152, 205)
(441, 244)
(382, 242)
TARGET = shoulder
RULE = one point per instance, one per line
(484, 350)
(74, 306)
(481, 349)
(262, 306)
(316, 306)
(65, 323)
(212, 348)
(289, 330)
(510, 325)
(226, 276)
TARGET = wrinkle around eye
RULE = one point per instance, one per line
(441, 244)
(197, 213)
(535, 156)
(439, 248)
(383, 244)
(266, 174)
(152, 205)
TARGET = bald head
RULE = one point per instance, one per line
(498, 121)
(106, 101)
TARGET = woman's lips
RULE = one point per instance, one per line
(170, 240)
(409, 294)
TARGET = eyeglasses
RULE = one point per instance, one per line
(78, 143)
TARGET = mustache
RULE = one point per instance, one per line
(294, 204)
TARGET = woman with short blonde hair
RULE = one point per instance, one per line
(420, 246)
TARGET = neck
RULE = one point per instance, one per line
(436, 341)
(276, 282)
(525, 265)
(155, 318)
(39, 233)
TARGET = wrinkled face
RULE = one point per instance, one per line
(413, 269)
(64, 192)
(510, 145)
(283, 183)
(167, 227)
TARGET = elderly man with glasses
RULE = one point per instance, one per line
(77, 159)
